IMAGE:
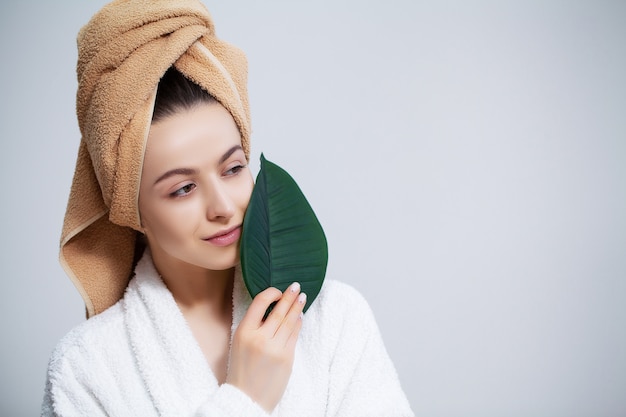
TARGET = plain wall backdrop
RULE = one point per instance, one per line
(467, 160)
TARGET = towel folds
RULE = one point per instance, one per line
(122, 54)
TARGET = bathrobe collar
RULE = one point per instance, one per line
(168, 356)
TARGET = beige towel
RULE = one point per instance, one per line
(122, 53)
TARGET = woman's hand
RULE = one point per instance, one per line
(262, 354)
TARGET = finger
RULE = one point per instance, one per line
(280, 310)
(260, 304)
(293, 337)
(292, 320)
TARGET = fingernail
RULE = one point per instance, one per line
(302, 298)
(295, 287)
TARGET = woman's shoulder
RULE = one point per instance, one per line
(339, 306)
(95, 359)
(338, 295)
(94, 335)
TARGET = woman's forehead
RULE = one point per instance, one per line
(198, 135)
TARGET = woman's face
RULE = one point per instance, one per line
(195, 187)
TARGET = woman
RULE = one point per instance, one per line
(159, 194)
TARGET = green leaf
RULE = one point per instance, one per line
(282, 240)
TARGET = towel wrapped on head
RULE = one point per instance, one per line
(123, 52)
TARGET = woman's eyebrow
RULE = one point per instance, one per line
(176, 171)
(229, 153)
(191, 171)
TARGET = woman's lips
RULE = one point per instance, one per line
(225, 238)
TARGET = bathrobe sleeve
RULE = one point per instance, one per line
(364, 381)
(74, 398)
(230, 401)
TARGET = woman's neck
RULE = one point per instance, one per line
(205, 299)
(198, 290)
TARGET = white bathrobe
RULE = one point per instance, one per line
(140, 358)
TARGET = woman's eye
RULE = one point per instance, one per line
(183, 191)
(235, 170)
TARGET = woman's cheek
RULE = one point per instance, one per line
(240, 190)
(178, 212)
(246, 194)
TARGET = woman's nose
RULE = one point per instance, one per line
(219, 204)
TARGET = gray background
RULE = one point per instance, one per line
(466, 159)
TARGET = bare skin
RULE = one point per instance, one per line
(262, 352)
(195, 188)
(210, 318)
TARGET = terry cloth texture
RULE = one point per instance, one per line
(123, 52)
(140, 358)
